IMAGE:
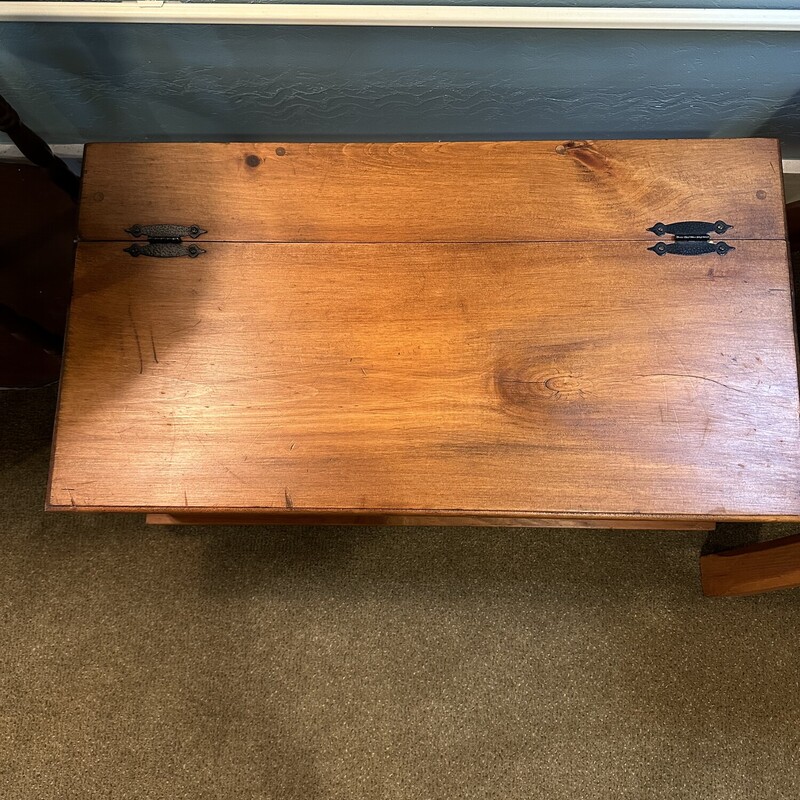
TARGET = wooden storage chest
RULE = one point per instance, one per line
(496, 333)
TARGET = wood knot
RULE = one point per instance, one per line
(588, 156)
(526, 388)
(562, 149)
(566, 387)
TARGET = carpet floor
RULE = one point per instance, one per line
(326, 663)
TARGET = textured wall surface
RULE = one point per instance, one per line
(84, 82)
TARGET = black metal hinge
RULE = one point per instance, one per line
(165, 241)
(691, 238)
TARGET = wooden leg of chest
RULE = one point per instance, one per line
(752, 569)
(299, 518)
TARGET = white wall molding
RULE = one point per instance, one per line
(8, 152)
(721, 19)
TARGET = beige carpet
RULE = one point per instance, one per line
(427, 663)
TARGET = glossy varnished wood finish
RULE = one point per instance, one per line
(293, 518)
(452, 191)
(763, 566)
(546, 379)
(756, 568)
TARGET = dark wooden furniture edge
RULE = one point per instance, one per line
(754, 568)
(317, 518)
(764, 566)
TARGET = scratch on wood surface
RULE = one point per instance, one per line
(186, 328)
(71, 498)
(153, 345)
(363, 372)
(235, 475)
(706, 430)
(697, 395)
(695, 377)
(170, 418)
(291, 447)
(186, 367)
(136, 336)
(671, 408)
(677, 423)
(205, 444)
(288, 498)
(185, 499)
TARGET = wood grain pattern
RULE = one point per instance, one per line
(452, 191)
(541, 380)
(292, 518)
(756, 568)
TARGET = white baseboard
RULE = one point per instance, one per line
(8, 152)
(170, 11)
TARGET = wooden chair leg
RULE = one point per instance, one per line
(36, 150)
(754, 568)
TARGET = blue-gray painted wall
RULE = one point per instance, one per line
(84, 82)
